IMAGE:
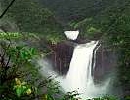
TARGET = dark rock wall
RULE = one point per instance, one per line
(106, 63)
(106, 60)
(61, 57)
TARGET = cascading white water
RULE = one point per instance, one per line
(79, 76)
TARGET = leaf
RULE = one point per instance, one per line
(19, 91)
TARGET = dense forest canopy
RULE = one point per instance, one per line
(80, 9)
(30, 16)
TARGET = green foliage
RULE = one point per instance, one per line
(18, 75)
(9, 35)
(54, 39)
(127, 98)
(91, 31)
(30, 17)
(71, 96)
(76, 10)
(17, 66)
(21, 53)
(36, 15)
(22, 88)
(105, 98)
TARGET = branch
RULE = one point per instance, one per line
(2, 60)
(6, 66)
(11, 3)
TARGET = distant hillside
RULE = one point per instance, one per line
(112, 19)
(30, 16)
(77, 9)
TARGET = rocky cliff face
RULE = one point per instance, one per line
(106, 63)
(106, 60)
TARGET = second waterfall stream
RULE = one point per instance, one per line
(79, 76)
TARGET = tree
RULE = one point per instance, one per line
(18, 74)
(12, 60)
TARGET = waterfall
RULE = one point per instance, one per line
(79, 76)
